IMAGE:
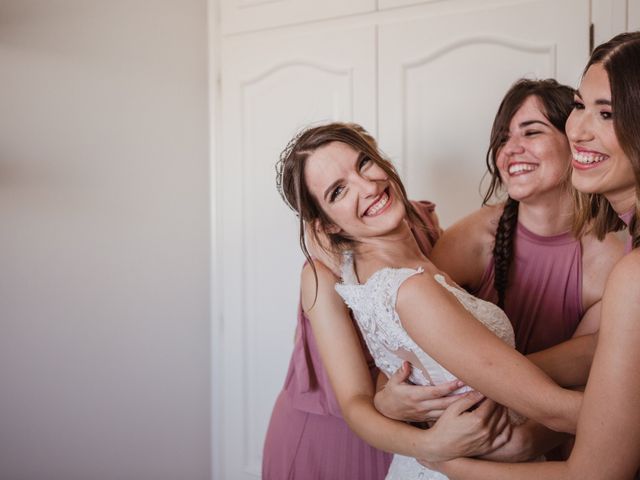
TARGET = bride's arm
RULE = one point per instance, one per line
(437, 321)
(457, 433)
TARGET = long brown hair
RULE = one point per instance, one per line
(620, 57)
(295, 192)
(556, 100)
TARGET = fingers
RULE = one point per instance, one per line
(443, 389)
(487, 409)
(401, 375)
(504, 436)
(465, 402)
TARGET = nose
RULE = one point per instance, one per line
(513, 146)
(368, 186)
(578, 127)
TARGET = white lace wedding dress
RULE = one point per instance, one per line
(373, 305)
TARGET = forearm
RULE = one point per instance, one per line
(390, 435)
(567, 363)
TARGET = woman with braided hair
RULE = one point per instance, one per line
(604, 132)
(521, 253)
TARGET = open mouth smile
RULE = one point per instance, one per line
(521, 168)
(588, 158)
(383, 200)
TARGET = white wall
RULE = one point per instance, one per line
(104, 240)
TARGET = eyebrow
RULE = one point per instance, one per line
(527, 123)
(331, 187)
(600, 101)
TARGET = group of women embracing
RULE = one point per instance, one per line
(472, 353)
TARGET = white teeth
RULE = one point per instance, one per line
(376, 207)
(521, 167)
(587, 158)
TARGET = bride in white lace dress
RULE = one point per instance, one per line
(336, 180)
(373, 304)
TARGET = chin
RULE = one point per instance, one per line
(584, 185)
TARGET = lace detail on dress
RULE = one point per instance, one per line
(374, 307)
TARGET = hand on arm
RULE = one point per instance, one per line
(400, 400)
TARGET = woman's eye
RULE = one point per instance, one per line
(364, 162)
(606, 115)
(577, 105)
(336, 192)
(530, 133)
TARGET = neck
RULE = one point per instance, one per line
(622, 201)
(396, 249)
(551, 215)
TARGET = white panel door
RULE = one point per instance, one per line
(245, 15)
(441, 80)
(609, 18)
(633, 12)
(385, 4)
(272, 85)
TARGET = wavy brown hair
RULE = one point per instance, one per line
(295, 192)
(557, 101)
(620, 57)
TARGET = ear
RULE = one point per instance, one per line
(325, 230)
(332, 228)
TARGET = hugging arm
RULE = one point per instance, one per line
(469, 350)
(457, 433)
(608, 434)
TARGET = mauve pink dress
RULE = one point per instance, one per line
(307, 438)
(544, 297)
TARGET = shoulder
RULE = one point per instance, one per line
(420, 293)
(599, 257)
(475, 228)
(427, 212)
(464, 249)
(611, 247)
(621, 301)
(318, 285)
(625, 276)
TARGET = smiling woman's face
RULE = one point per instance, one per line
(535, 157)
(599, 163)
(354, 192)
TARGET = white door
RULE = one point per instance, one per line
(442, 77)
(633, 15)
(247, 15)
(272, 85)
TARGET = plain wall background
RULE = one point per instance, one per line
(104, 240)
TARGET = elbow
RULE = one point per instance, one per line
(559, 424)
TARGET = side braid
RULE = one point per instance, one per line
(634, 229)
(503, 248)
